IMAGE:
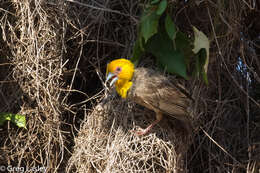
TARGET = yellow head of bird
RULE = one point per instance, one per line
(120, 71)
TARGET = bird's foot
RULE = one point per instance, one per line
(140, 131)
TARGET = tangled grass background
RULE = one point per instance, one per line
(52, 62)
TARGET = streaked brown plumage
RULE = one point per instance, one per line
(153, 91)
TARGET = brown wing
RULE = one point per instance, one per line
(155, 92)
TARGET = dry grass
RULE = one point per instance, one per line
(53, 56)
(105, 143)
(34, 41)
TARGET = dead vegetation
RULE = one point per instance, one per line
(112, 147)
(33, 39)
(53, 56)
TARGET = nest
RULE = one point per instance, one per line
(106, 144)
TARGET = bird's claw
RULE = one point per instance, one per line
(139, 132)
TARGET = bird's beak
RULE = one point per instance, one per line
(113, 77)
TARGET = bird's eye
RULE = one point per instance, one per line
(118, 69)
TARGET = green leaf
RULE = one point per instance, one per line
(161, 7)
(200, 60)
(137, 52)
(17, 119)
(174, 62)
(205, 77)
(201, 41)
(170, 27)
(149, 24)
(169, 58)
(183, 44)
(154, 1)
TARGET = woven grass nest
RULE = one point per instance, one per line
(106, 144)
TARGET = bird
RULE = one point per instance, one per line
(151, 89)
